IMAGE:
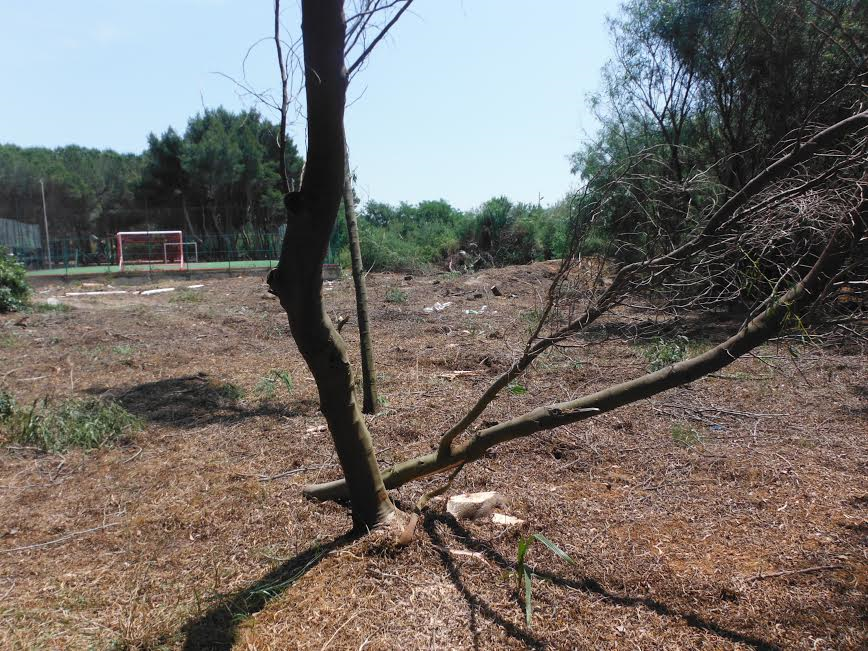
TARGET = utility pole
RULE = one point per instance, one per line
(45, 219)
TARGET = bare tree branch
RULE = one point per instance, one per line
(284, 101)
(367, 51)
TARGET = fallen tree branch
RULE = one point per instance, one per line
(786, 309)
(722, 219)
(56, 541)
(804, 570)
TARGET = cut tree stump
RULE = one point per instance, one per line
(474, 506)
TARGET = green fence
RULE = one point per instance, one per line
(99, 255)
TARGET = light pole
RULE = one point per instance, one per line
(45, 219)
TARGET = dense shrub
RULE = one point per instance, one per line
(519, 233)
(402, 238)
(409, 237)
(14, 292)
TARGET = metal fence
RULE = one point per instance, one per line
(18, 236)
(97, 255)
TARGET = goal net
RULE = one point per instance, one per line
(151, 248)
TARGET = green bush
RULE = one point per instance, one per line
(411, 237)
(395, 295)
(14, 292)
(517, 389)
(408, 237)
(7, 405)
(77, 423)
(228, 391)
(344, 258)
(665, 352)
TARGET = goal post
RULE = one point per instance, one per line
(152, 248)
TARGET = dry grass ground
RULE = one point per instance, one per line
(678, 511)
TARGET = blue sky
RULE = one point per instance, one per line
(467, 99)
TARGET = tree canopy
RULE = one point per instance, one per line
(219, 176)
(698, 95)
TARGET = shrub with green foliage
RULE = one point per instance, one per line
(408, 237)
(395, 295)
(267, 385)
(86, 424)
(665, 352)
(7, 404)
(714, 106)
(14, 292)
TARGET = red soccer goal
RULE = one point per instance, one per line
(152, 248)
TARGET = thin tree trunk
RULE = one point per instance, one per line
(187, 216)
(215, 217)
(369, 380)
(297, 280)
(324, 352)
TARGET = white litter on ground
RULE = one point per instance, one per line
(506, 520)
(479, 311)
(437, 307)
(111, 291)
(162, 290)
(194, 286)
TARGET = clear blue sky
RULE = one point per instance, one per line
(467, 99)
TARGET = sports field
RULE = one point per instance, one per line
(220, 265)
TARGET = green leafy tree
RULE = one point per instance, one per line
(700, 94)
(14, 291)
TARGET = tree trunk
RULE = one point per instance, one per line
(297, 280)
(215, 216)
(187, 217)
(369, 380)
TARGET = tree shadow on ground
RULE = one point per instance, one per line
(216, 629)
(699, 326)
(194, 401)
(587, 584)
(474, 603)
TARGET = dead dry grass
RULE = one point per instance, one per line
(196, 536)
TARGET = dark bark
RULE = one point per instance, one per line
(297, 280)
(369, 380)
